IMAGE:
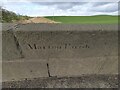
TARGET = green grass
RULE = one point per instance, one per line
(98, 19)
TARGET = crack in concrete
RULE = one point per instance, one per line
(48, 70)
(17, 42)
(18, 46)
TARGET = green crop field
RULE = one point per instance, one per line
(99, 19)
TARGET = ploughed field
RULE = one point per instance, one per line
(99, 19)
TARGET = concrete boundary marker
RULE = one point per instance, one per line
(59, 50)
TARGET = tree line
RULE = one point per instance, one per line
(9, 16)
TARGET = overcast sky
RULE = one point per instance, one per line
(62, 8)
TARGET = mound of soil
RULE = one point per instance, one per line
(37, 20)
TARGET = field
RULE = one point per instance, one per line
(99, 19)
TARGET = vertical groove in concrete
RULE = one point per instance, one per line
(18, 46)
(48, 70)
(17, 42)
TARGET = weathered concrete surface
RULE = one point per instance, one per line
(63, 44)
(34, 43)
(10, 48)
(67, 50)
(68, 27)
(75, 67)
(20, 70)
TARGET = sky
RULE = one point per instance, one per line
(32, 8)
